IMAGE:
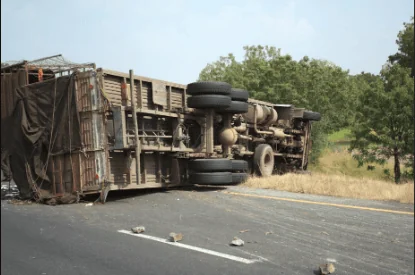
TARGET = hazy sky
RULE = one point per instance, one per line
(174, 40)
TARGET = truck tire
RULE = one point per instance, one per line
(239, 177)
(236, 107)
(210, 165)
(309, 115)
(218, 178)
(208, 87)
(239, 165)
(264, 160)
(209, 101)
(239, 95)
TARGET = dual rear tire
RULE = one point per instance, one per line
(217, 171)
(239, 102)
(209, 95)
(224, 99)
(219, 96)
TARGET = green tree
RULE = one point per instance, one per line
(405, 41)
(309, 83)
(226, 69)
(384, 122)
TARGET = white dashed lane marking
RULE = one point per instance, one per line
(194, 248)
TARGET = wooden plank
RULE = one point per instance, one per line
(142, 78)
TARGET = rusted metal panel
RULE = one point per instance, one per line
(89, 177)
(142, 78)
(87, 129)
(150, 94)
(146, 96)
(149, 169)
(160, 95)
(77, 172)
(65, 175)
(92, 131)
(93, 170)
(88, 92)
(119, 169)
(120, 131)
(154, 168)
(123, 175)
(113, 89)
(177, 98)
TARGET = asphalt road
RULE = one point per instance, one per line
(284, 234)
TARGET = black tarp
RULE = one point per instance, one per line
(45, 122)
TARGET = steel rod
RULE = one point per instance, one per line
(209, 131)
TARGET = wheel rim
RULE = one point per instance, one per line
(268, 164)
(267, 160)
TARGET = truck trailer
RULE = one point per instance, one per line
(69, 130)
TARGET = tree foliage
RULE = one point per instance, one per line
(384, 127)
(405, 41)
(308, 83)
(378, 108)
(384, 122)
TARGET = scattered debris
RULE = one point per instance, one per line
(327, 268)
(175, 237)
(268, 233)
(237, 242)
(19, 202)
(243, 231)
(138, 229)
(325, 233)
(89, 204)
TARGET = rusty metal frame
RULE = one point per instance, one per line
(42, 63)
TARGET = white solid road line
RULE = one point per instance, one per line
(195, 248)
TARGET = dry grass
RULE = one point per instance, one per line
(337, 185)
(338, 174)
(340, 162)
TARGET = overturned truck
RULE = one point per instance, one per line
(91, 131)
